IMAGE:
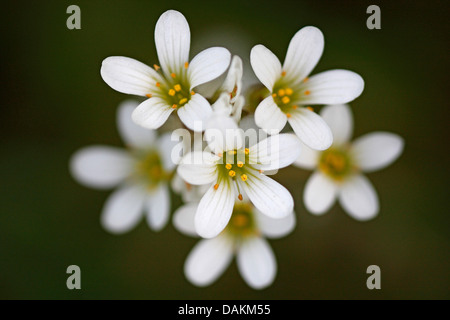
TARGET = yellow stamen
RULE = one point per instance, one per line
(158, 84)
(307, 92)
(246, 150)
(171, 92)
(294, 107)
(288, 115)
(289, 91)
(274, 95)
(156, 67)
(305, 80)
(192, 93)
(240, 164)
(240, 197)
(240, 220)
(286, 100)
(244, 177)
(216, 186)
(174, 106)
(177, 87)
(283, 73)
(310, 108)
(148, 95)
(184, 100)
(232, 173)
(228, 166)
(173, 75)
(281, 92)
(186, 65)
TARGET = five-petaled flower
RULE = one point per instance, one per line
(291, 91)
(338, 169)
(244, 236)
(232, 169)
(171, 86)
(142, 174)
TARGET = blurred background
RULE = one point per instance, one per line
(55, 102)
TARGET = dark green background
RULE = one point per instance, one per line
(55, 102)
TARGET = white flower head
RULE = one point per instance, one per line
(243, 237)
(291, 91)
(141, 174)
(231, 169)
(338, 170)
(170, 87)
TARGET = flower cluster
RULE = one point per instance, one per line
(223, 144)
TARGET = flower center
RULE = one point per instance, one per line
(336, 164)
(234, 164)
(149, 169)
(242, 221)
(288, 95)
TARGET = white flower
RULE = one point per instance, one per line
(173, 88)
(232, 168)
(243, 237)
(338, 169)
(141, 174)
(291, 91)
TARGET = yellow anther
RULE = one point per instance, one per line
(240, 197)
(281, 92)
(177, 87)
(286, 100)
(158, 84)
(289, 91)
(246, 150)
(173, 75)
(307, 92)
(232, 173)
(192, 93)
(310, 108)
(186, 65)
(288, 115)
(228, 166)
(244, 177)
(294, 107)
(240, 164)
(231, 152)
(184, 100)
(240, 220)
(283, 73)
(261, 171)
(171, 92)
(216, 186)
(274, 95)
(148, 95)
(156, 67)
(305, 80)
(174, 106)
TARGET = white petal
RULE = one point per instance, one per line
(319, 194)
(234, 78)
(304, 51)
(101, 167)
(340, 120)
(275, 228)
(152, 113)
(166, 150)
(266, 65)
(198, 167)
(332, 87)
(208, 260)
(123, 209)
(128, 75)
(208, 65)
(214, 210)
(257, 263)
(311, 129)
(268, 196)
(308, 158)
(269, 117)
(158, 207)
(173, 40)
(183, 219)
(376, 150)
(359, 198)
(132, 134)
(194, 113)
(275, 152)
